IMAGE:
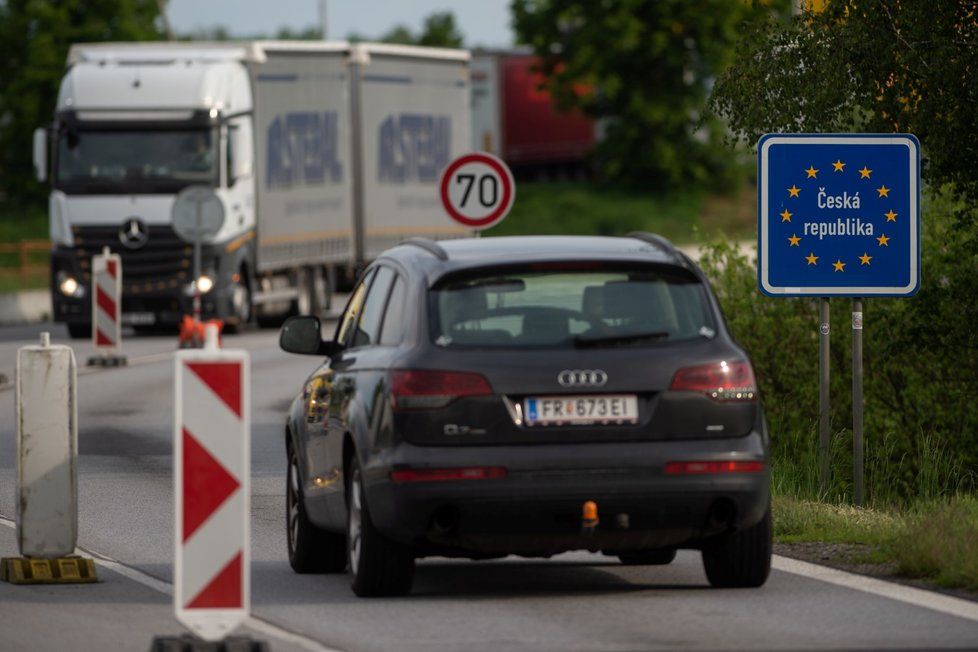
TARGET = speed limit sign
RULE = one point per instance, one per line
(477, 190)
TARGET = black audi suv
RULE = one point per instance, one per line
(527, 396)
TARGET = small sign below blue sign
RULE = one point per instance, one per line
(838, 215)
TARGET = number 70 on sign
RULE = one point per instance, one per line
(477, 190)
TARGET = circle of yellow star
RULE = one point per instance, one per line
(838, 165)
(864, 173)
(811, 258)
(793, 190)
(864, 259)
(883, 240)
(811, 172)
(839, 265)
(794, 240)
(891, 216)
(785, 215)
(883, 191)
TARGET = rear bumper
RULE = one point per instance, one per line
(536, 509)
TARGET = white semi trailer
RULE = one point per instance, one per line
(321, 154)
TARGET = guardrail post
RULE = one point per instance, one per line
(47, 482)
(107, 310)
(211, 484)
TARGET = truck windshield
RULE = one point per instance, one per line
(572, 308)
(134, 161)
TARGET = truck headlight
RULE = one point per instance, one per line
(204, 283)
(69, 286)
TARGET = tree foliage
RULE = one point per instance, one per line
(644, 68)
(865, 65)
(34, 39)
(439, 30)
(889, 66)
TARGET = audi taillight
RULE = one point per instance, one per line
(426, 389)
(721, 381)
(402, 476)
(712, 467)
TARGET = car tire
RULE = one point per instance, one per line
(659, 557)
(79, 331)
(740, 559)
(380, 567)
(311, 549)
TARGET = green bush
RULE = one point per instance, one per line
(938, 540)
(921, 372)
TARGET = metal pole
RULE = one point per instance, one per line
(857, 400)
(358, 60)
(823, 397)
(197, 272)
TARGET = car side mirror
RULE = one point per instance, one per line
(303, 335)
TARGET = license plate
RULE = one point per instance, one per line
(138, 318)
(589, 409)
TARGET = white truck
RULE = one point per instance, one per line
(321, 154)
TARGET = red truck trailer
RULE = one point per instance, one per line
(515, 117)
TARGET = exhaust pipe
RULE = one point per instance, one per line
(721, 514)
(445, 519)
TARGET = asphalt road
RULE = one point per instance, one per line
(576, 601)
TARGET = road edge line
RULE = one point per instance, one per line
(939, 602)
(253, 622)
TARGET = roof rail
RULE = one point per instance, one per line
(657, 240)
(428, 245)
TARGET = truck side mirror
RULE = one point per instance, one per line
(240, 150)
(41, 154)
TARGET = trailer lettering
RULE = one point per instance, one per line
(413, 147)
(303, 150)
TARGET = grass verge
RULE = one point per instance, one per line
(582, 208)
(933, 540)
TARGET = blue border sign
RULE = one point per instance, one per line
(838, 215)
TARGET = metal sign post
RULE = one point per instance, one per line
(198, 214)
(824, 412)
(857, 401)
(838, 215)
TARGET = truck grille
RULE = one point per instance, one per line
(163, 258)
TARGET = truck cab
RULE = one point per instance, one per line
(133, 127)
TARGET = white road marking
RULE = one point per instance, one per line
(257, 624)
(918, 597)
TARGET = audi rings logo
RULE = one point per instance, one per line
(582, 378)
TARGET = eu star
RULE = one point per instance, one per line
(811, 172)
(891, 216)
(865, 172)
(793, 190)
(839, 265)
(865, 258)
(883, 191)
(794, 240)
(785, 215)
(811, 258)
(838, 165)
(883, 240)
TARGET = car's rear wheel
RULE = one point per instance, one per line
(311, 549)
(740, 559)
(648, 557)
(380, 567)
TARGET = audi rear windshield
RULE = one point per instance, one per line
(573, 305)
